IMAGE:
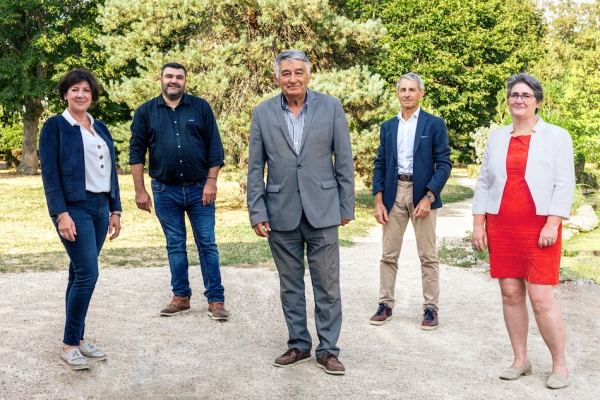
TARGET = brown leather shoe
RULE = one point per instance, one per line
(291, 357)
(330, 363)
(430, 320)
(382, 315)
(216, 310)
(179, 305)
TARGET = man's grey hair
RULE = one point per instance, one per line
(291, 55)
(411, 76)
(530, 81)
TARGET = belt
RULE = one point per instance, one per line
(405, 177)
(186, 183)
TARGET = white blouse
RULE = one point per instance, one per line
(96, 157)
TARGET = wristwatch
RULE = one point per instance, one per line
(430, 197)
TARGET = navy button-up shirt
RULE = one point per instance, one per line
(184, 143)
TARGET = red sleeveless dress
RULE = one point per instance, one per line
(514, 232)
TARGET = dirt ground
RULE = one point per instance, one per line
(193, 357)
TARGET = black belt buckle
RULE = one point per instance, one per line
(405, 177)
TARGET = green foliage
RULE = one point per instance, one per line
(578, 199)
(121, 134)
(463, 49)
(366, 99)
(589, 148)
(39, 41)
(479, 139)
(591, 178)
(228, 47)
(11, 137)
(569, 73)
(579, 159)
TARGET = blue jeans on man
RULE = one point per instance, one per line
(171, 203)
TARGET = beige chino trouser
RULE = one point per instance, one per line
(393, 234)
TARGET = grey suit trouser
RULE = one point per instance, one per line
(322, 249)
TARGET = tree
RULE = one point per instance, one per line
(569, 68)
(39, 41)
(463, 49)
(228, 47)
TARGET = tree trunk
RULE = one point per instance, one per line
(31, 121)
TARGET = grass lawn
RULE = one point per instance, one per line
(30, 242)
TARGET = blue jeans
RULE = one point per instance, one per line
(91, 218)
(171, 203)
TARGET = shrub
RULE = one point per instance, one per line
(11, 137)
(589, 147)
(121, 134)
(579, 166)
(590, 177)
(479, 138)
(578, 199)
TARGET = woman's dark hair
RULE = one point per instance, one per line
(530, 81)
(76, 76)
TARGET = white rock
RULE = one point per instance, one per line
(584, 220)
(567, 234)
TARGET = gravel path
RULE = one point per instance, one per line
(190, 356)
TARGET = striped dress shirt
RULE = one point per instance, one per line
(295, 125)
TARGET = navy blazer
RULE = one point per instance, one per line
(63, 165)
(431, 160)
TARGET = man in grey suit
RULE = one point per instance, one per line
(302, 136)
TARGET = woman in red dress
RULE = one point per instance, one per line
(524, 191)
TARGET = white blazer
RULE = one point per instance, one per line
(549, 173)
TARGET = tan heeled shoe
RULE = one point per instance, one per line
(512, 373)
(557, 381)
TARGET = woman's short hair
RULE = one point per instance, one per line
(76, 76)
(530, 81)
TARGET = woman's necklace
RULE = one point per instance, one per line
(525, 132)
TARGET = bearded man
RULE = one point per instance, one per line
(185, 154)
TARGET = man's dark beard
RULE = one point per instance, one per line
(173, 96)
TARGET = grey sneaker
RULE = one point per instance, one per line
(73, 359)
(91, 353)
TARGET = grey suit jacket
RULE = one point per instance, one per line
(319, 180)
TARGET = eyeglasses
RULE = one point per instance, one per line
(526, 97)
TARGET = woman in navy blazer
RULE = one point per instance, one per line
(79, 173)
(524, 191)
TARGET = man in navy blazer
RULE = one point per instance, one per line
(411, 169)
